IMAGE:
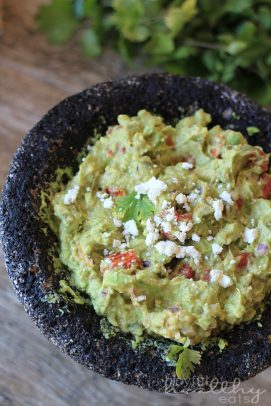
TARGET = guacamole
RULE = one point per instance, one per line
(168, 228)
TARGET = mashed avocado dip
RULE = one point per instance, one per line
(168, 229)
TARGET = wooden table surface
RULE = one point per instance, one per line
(33, 77)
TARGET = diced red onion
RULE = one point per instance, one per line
(262, 249)
(174, 309)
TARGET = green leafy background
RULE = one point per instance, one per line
(227, 41)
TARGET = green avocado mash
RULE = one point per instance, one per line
(168, 229)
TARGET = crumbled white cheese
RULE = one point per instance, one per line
(165, 204)
(152, 188)
(185, 227)
(216, 248)
(116, 243)
(105, 252)
(141, 298)
(149, 225)
(195, 237)
(157, 220)
(170, 214)
(193, 196)
(217, 276)
(167, 248)
(101, 195)
(151, 238)
(226, 196)
(232, 261)
(225, 281)
(71, 195)
(174, 180)
(193, 253)
(181, 198)
(186, 207)
(106, 200)
(187, 165)
(130, 228)
(210, 238)
(189, 251)
(170, 248)
(108, 203)
(166, 226)
(181, 236)
(117, 222)
(218, 207)
(152, 233)
(250, 235)
(106, 234)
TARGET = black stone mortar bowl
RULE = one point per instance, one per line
(54, 142)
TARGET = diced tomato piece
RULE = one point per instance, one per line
(206, 275)
(266, 190)
(115, 191)
(183, 269)
(122, 150)
(187, 271)
(166, 235)
(110, 153)
(242, 260)
(126, 259)
(214, 152)
(265, 166)
(239, 203)
(169, 141)
(183, 216)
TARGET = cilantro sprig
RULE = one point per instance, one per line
(186, 360)
(132, 208)
(228, 42)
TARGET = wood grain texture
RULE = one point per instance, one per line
(34, 77)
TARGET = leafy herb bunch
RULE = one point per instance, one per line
(228, 41)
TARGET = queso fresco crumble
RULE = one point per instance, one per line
(168, 228)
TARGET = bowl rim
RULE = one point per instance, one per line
(75, 332)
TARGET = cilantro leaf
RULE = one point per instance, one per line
(222, 344)
(252, 130)
(174, 351)
(133, 208)
(57, 21)
(186, 363)
(187, 359)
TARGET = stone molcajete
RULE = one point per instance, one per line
(55, 142)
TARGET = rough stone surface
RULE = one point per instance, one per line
(55, 141)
